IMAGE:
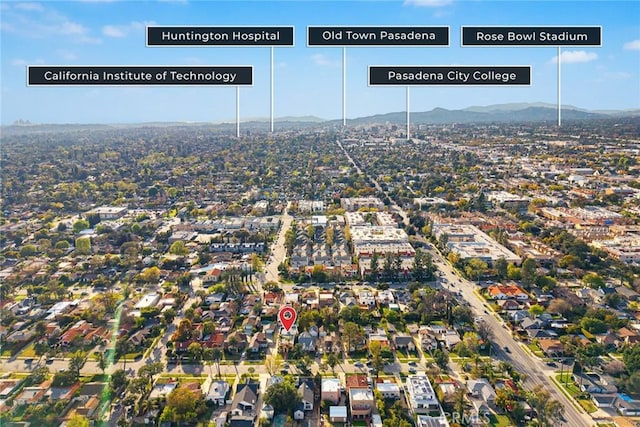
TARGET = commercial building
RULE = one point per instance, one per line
(470, 242)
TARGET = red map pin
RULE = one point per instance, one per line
(287, 316)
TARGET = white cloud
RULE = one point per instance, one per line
(632, 45)
(35, 7)
(19, 62)
(575, 56)
(428, 3)
(120, 31)
(47, 23)
(323, 60)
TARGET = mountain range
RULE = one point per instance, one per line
(499, 113)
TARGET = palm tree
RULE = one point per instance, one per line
(217, 355)
(102, 361)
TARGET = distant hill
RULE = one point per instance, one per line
(499, 113)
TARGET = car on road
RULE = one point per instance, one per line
(412, 370)
(358, 365)
(28, 361)
(49, 361)
(506, 349)
(413, 364)
(552, 364)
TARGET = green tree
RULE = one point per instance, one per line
(500, 266)
(118, 380)
(102, 361)
(183, 405)
(631, 357)
(273, 364)
(462, 315)
(441, 357)
(28, 251)
(283, 396)
(194, 351)
(83, 246)
(80, 225)
(593, 280)
(528, 271)
(178, 248)
(549, 411)
(332, 361)
(350, 334)
(475, 268)
(78, 421)
(513, 272)
(375, 265)
(375, 349)
(150, 274)
(76, 362)
(536, 310)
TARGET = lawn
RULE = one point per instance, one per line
(587, 405)
(28, 351)
(566, 380)
(499, 420)
(535, 349)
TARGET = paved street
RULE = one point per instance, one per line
(535, 371)
(278, 251)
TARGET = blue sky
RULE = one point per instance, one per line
(308, 80)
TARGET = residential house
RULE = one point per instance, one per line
(510, 304)
(162, 390)
(607, 339)
(388, 389)
(245, 400)
(450, 338)
(338, 414)
(551, 347)
(258, 343)
(500, 292)
(481, 389)
(379, 335)
(307, 395)
(593, 383)
(385, 297)
(307, 342)
(603, 400)
(32, 395)
(62, 393)
(361, 402)
(626, 406)
(236, 341)
(251, 324)
(330, 389)
(366, 299)
(420, 395)
(404, 342)
(428, 340)
(215, 391)
(529, 323)
(325, 299)
(8, 387)
(298, 413)
(628, 293)
(427, 421)
(628, 336)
